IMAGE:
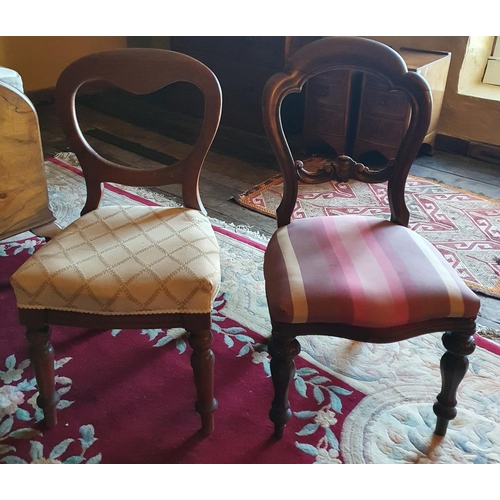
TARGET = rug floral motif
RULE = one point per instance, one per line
(128, 396)
(463, 226)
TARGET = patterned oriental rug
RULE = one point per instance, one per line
(465, 227)
(128, 396)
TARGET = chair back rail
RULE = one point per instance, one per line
(357, 54)
(125, 69)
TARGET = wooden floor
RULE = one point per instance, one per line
(224, 177)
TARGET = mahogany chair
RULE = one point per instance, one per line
(128, 266)
(358, 277)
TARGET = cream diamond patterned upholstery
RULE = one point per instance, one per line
(114, 260)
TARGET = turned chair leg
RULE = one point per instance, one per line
(41, 355)
(282, 352)
(202, 361)
(454, 365)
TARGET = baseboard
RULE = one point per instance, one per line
(472, 149)
(451, 144)
(485, 152)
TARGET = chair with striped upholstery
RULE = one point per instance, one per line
(128, 266)
(352, 276)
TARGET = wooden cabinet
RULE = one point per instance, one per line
(434, 67)
(339, 110)
(24, 201)
(355, 115)
(327, 105)
(243, 64)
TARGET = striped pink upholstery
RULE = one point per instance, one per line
(360, 271)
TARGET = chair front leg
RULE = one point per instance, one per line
(41, 355)
(282, 352)
(202, 361)
(454, 365)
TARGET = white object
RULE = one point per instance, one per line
(11, 77)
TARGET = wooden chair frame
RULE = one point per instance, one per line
(139, 71)
(329, 54)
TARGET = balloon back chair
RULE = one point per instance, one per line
(128, 266)
(358, 277)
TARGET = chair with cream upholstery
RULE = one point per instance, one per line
(354, 276)
(128, 266)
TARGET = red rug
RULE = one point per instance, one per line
(128, 396)
(463, 226)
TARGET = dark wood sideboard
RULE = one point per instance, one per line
(355, 115)
(342, 110)
(243, 64)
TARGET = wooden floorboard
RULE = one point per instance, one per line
(461, 172)
(223, 177)
(462, 166)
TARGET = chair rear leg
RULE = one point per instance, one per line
(454, 365)
(202, 361)
(283, 352)
(41, 355)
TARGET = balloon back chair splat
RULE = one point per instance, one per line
(351, 276)
(128, 266)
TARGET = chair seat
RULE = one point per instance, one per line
(356, 270)
(114, 260)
